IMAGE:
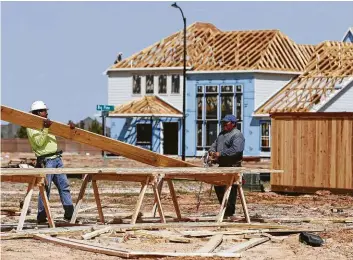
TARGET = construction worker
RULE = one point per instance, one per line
(227, 151)
(45, 146)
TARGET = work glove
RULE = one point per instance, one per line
(71, 124)
(47, 123)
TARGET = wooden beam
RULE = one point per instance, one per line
(96, 233)
(246, 245)
(169, 172)
(82, 245)
(82, 136)
(212, 244)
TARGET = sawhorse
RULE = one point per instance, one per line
(32, 181)
(216, 179)
(144, 179)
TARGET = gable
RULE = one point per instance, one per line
(210, 49)
(348, 37)
(329, 70)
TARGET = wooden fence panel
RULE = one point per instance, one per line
(315, 150)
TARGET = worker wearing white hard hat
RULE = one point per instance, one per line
(38, 105)
(45, 147)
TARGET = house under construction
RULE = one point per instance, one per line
(245, 73)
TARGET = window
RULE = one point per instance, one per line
(227, 100)
(213, 103)
(162, 84)
(136, 84)
(149, 84)
(265, 137)
(144, 134)
(175, 84)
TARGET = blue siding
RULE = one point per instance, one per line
(250, 126)
(124, 129)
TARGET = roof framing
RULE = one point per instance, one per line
(210, 49)
(147, 106)
(330, 69)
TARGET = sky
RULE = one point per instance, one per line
(58, 51)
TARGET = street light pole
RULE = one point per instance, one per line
(184, 85)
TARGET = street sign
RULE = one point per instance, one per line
(105, 108)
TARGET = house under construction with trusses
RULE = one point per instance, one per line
(245, 73)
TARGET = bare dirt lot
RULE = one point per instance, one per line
(321, 211)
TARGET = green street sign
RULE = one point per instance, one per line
(105, 108)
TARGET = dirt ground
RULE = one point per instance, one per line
(322, 211)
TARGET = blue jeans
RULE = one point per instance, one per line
(61, 182)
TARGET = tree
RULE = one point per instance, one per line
(95, 127)
(21, 132)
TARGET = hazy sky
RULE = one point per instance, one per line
(58, 51)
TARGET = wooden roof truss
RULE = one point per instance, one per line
(208, 48)
(330, 68)
(147, 106)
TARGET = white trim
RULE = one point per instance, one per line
(145, 115)
(244, 71)
(189, 71)
(317, 109)
(350, 29)
(265, 154)
(146, 69)
(260, 115)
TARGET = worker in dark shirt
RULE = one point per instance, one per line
(227, 151)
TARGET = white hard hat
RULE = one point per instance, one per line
(38, 105)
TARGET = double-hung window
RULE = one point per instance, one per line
(149, 84)
(136, 85)
(175, 84)
(265, 136)
(162, 84)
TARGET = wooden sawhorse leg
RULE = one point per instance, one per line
(86, 179)
(157, 199)
(174, 198)
(225, 200)
(45, 200)
(98, 201)
(159, 188)
(25, 206)
(140, 199)
(243, 203)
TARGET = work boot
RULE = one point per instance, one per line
(42, 217)
(69, 211)
(229, 211)
(42, 220)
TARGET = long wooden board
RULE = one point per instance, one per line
(169, 172)
(82, 136)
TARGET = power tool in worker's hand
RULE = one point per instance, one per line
(207, 161)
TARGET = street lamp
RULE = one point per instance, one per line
(184, 83)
